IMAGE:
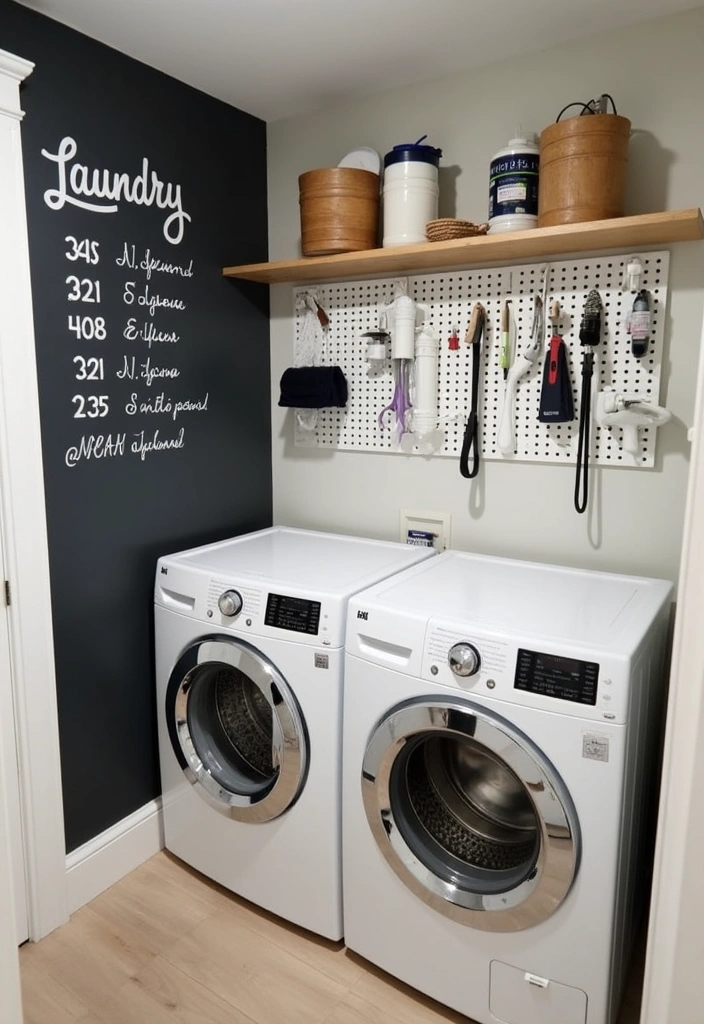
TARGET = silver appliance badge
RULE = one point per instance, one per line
(595, 747)
(322, 661)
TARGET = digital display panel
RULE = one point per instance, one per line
(293, 613)
(552, 675)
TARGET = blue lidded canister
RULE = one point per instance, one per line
(410, 193)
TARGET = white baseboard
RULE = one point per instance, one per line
(104, 860)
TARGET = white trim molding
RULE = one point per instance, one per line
(9, 961)
(672, 989)
(99, 863)
(25, 536)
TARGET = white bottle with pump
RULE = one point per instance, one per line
(513, 185)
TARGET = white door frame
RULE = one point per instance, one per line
(9, 768)
(672, 990)
(9, 960)
(25, 535)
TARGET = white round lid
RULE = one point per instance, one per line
(364, 159)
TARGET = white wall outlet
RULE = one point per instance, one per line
(436, 524)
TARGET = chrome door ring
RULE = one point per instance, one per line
(289, 741)
(548, 882)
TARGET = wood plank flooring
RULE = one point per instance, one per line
(167, 946)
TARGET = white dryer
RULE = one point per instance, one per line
(500, 738)
(249, 637)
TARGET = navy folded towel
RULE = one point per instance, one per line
(313, 387)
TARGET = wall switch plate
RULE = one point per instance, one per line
(414, 524)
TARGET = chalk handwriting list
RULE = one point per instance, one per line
(144, 189)
(86, 293)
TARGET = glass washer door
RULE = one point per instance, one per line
(236, 729)
(469, 814)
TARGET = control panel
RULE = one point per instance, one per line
(292, 613)
(483, 662)
(554, 676)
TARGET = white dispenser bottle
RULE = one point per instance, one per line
(513, 185)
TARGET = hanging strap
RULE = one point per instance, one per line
(581, 483)
(590, 336)
(470, 442)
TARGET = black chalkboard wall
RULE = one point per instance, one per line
(153, 372)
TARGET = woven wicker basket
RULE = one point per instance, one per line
(445, 228)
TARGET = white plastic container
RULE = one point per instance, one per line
(513, 186)
(425, 405)
(410, 193)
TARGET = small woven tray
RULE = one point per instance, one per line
(445, 228)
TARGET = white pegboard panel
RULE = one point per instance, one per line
(354, 308)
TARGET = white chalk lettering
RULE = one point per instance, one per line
(151, 373)
(148, 332)
(95, 446)
(147, 372)
(150, 265)
(127, 369)
(144, 189)
(152, 302)
(128, 257)
(153, 406)
(146, 444)
(159, 404)
(190, 406)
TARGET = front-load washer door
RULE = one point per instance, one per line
(469, 814)
(236, 729)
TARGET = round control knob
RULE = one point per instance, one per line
(464, 659)
(230, 603)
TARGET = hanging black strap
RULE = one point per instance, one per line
(581, 483)
(470, 442)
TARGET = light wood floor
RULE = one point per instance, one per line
(166, 946)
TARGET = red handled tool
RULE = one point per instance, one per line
(556, 403)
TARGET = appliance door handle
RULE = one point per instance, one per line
(383, 651)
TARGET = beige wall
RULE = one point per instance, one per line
(656, 75)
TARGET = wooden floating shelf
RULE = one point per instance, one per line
(618, 233)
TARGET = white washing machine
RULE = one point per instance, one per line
(500, 737)
(249, 638)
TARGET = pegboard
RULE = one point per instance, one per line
(354, 308)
